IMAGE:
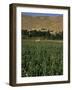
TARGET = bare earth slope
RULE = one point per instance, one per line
(51, 23)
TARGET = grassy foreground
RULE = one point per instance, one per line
(42, 58)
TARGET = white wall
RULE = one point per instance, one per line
(4, 45)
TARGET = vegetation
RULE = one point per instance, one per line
(42, 58)
(42, 34)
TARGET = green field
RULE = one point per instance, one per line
(42, 58)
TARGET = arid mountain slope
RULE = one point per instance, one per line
(51, 23)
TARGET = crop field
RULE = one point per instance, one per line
(42, 58)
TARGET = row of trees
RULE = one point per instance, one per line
(42, 34)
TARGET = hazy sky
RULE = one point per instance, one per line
(40, 14)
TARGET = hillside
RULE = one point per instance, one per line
(51, 23)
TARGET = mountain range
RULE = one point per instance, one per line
(51, 23)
